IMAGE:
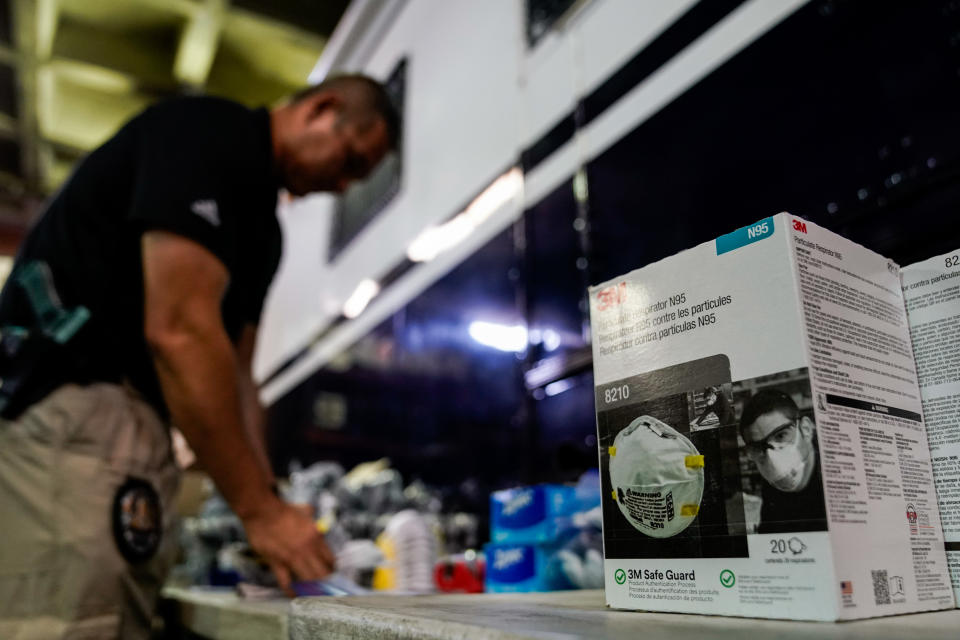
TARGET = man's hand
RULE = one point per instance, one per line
(289, 542)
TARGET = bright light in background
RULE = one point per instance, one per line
(558, 387)
(360, 298)
(551, 340)
(493, 197)
(435, 240)
(499, 336)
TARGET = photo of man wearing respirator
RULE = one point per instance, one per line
(781, 442)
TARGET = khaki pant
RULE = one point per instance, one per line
(61, 463)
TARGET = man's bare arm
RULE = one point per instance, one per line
(254, 417)
(196, 364)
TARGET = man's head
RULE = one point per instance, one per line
(712, 394)
(331, 134)
(779, 440)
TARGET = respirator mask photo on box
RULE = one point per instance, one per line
(657, 477)
(783, 459)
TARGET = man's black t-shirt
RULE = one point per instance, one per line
(198, 167)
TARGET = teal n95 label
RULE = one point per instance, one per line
(744, 236)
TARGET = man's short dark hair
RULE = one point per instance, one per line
(767, 401)
(368, 93)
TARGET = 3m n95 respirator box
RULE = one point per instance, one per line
(762, 446)
(932, 291)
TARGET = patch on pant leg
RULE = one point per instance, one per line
(137, 520)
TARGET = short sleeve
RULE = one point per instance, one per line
(186, 179)
(256, 298)
(245, 298)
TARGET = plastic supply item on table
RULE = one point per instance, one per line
(358, 560)
(333, 585)
(365, 472)
(461, 532)
(237, 562)
(410, 547)
(460, 573)
(306, 485)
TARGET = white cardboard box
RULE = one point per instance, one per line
(821, 505)
(932, 292)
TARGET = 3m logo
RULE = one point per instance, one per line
(611, 296)
(800, 226)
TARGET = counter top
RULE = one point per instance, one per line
(219, 614)
(570, 614)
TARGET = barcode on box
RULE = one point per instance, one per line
(881, 586)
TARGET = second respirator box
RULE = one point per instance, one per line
(761, 440)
